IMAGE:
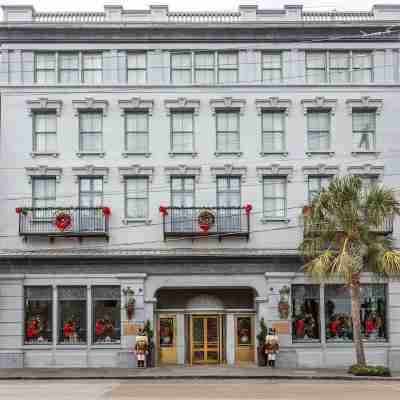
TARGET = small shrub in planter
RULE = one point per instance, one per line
(369, 370)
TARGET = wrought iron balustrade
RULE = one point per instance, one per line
(77, 222)
(224, 222)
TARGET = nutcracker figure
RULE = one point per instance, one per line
(271, 347)
(141, 348)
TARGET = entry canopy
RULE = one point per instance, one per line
(205, 302)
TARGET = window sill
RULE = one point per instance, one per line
(128, 221)
(320, 153)
(277, 153)
(129, 153)
(44, 154)
(81, 154)
(173, 154)
(365, 153)
(46, 346)
(228, 154)
(72, 346)
(41, 220)
(106, 346)
(271, 220)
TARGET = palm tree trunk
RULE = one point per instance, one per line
(355, 313)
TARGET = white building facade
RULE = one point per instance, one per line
(154, 166)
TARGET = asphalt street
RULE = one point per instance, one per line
(196, 390)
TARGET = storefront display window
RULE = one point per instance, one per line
(167, 334)
(338, 313)
(306, 313)
(244, 332)
(38, 315)
(106, 302)
(72, 314)
(373, 312)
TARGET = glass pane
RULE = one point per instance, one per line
(91, 121)
(227, 60)
(183, 60)
(227, 76)
(136, 122)
(198, 332)
(45, 61)
(340, 76)
(318, 121)
(167, 334)
(45, 76)
(362, 60)
(274, 187)
(272, 75)
(97, 184)
(318, 141)
(92, 77)
(137, 77)
(85, 184)
(272, 121)
(182, 121)
(273, 142)
(136, 60)
(338, 313)
(272, 60)
(68, 60)
(339, 60)
(306, 314)
(204, 76)
(181, 77)
(204, 60)
(244, 331)
(212, 332)
(92, 61)
(364, 121)
(69, 76)
(316, 60)
(91, 142)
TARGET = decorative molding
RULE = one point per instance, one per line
(43, 170)
(366, 169)
(136, 103)
(364, 102)
(136, 170)
(275, 170)
(228, 102)
(183, 170)
(100, 154)
(321, 169)
(90, 170)
(182, 103)
(273, 104)
(44, 104)
(228, 170)
(318, 103)
(89, 103)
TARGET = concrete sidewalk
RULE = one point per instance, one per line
(194, 372)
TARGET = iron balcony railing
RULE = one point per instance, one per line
(386, 228)
(218, 222)
(64, 221)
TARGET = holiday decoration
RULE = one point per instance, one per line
(106, 211)
(163, 211)
(283, 306)
(129, 301)
(63, 220)
(21, 210)
(206, 219)
(247, 208)
(307, 211)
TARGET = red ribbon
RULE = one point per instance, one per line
(247, 208)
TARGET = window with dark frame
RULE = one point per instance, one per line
(91, 131)
(137, 132)
(275, 197)
(227, 131)
(137, 197)
(273, 131)
(45, 67)
(137, 67)
(364, 130)
(44, 132)
(182, 132)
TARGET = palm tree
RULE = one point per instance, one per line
(344, 235)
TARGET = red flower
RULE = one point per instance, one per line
(247, 208)
(307, 211)
(163, 211)
(106, 211)
(18, 210)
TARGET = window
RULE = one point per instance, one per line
(339, 67)
(373, 312)
(45, 67)
(228, 139)
(364, 125)
(318, 130)
(228, 67)
(182, 132)
(90, 191)
(204, 68)
(72, 315)
(182, 191)
(43, 192)
(181, 68)
(137, 197)
(45, 132)
(137, 132)
(316, 67)
(68, 67)
(315, 184)
(272, 67)
(228, 202)
(38, 315)
(92, 64)
(305, 313)
(244, 331)
(167, 332)
(362, 67)
(137, 66)
(106, 303)
(274, 189)
(367, 181)
(338, 313)
(273, 132)
(91, 131)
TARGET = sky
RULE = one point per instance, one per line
(192, 5)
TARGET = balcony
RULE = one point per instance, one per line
(385, 229)
(212, 222)
(54, 222)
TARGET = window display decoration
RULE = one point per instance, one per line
(63, 220)
(129, 295)
(206, 219)
(283, 305)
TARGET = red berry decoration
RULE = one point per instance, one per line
(106, 211)
(63, 221)
(163, 211)
(18, 210)
(247, 208)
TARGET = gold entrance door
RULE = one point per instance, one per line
(206, 344)
(167, 338)
(244, 327)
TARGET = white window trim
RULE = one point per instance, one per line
(90, 171)
(136, 170)
(182, 103)
(281, 173)
(367, 170)
(43, 171)
(364, 102)
(184, 171)
(145, 69)
(227, 103)
(275, 170)
(320, 170)
(228, 170)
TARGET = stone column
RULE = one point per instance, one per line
(230, 339)
(180, 338)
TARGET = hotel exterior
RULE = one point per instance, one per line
(153, 168)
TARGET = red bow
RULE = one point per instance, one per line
(247, 208)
